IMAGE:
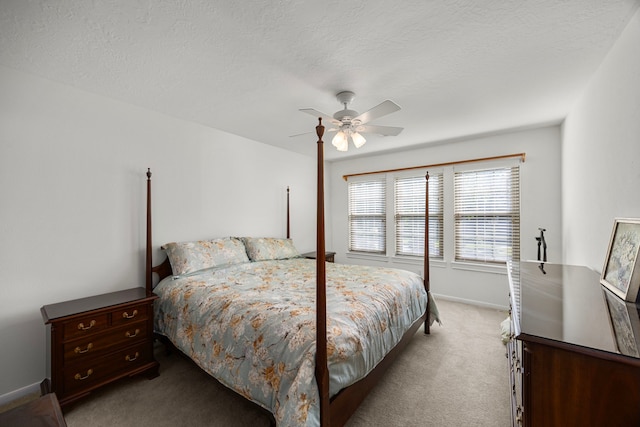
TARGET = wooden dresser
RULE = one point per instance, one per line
(574, 352)
(97, 340)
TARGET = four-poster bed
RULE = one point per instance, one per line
(321, 345)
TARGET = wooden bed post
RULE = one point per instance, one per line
(288, 221)
(148, 283)
(427, 284)
(322, 370)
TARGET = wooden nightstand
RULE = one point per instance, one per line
(328, 256)
(97, 340)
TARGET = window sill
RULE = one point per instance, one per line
(365, 256)
(484, 268)
(418, 261)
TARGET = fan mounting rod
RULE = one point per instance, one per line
(345, 116)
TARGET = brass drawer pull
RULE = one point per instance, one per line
(78, 350)
(519, 415)
(80, 377)
(135, 334)
(131, 359)
(130, 316)
(84, 328)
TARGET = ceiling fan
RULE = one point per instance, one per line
(351, 125)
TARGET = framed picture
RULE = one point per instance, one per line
(621, 273)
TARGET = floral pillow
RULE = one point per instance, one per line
(265, 248)
(188, 257)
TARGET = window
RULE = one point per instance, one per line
(409, 215)
(367, 216)
(487, 215)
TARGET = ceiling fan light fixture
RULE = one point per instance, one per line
(340, 141)
(358, 140)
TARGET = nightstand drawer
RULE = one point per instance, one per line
(123, 316)
(86, 375)
(96, 345)
(84, 326)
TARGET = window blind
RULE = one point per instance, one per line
(487, 215)
(409, 215)
(367, 216)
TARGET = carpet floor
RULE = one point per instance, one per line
(456, 376)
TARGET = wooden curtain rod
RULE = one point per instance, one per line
(435, 165)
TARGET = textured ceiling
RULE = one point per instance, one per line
(456, 67)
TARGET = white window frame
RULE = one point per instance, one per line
(408, 206)
(493, 219)
(373, 211)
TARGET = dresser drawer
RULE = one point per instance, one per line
(124, 316)
(84, 326)
(98, 344)
(88, 374)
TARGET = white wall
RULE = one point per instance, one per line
(540, 206)
(601, 153)
(72, 201)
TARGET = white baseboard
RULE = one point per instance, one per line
(19, 393)
(470, 302)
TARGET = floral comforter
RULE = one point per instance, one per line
(252, 327)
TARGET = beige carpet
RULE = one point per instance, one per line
(457, 376)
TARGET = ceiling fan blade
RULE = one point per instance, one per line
(309, 133)
(327, 119)
(300, 134)
(382, 109)
(380, 130)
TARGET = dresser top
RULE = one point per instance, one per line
(69, 308)
(567, 304)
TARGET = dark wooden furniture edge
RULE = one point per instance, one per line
(591, 352)
(44, 411)
(45, 387)
(334, 412)
(288, 220)
(313, 255)
(97, 304)
(322, 369)
(163, 270)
